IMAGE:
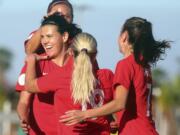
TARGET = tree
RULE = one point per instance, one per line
(169, 98)
(5, 59)
(5, 63)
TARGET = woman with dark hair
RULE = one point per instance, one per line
(132, 81)
(33, 45)
(55, 34)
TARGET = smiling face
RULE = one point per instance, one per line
(52, 41)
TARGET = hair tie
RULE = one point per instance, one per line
(84, 50)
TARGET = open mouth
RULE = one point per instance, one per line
(48, 47)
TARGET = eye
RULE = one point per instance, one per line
(49, 36)
(42, 36)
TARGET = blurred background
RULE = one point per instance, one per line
(103, 19)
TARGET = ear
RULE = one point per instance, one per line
(70, 51)
(65, 37)
(124, 37)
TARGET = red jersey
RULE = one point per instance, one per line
(42, 115)
(60, 81)
(136, 118)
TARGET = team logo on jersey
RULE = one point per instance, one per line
(96, 99)
(21, 79)
(44, 73)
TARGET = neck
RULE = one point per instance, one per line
(128, 51)
(127, 54)
(61, 59)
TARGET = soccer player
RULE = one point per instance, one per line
(27, 102)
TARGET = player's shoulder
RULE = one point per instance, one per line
(126, 62)
(105, 77)
(105, 74)
(104, 71)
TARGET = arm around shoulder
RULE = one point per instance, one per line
(33, 43)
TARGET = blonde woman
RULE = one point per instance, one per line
(132, 81)
(77, 85)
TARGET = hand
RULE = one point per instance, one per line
(25, 126)
(114, 126)
(72, 117)
(35, 57)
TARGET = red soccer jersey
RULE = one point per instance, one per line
(42, 115)
(59, 81)
(136, 118)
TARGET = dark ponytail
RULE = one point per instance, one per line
(146, 49)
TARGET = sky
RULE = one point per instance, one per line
(103, 19)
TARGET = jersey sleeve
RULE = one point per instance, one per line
(29, 37)
(123, 74)
(105, 76)
(21, 80)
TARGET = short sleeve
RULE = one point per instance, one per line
(21, 80)
(123, 74)
(105, 76)
(29, 37)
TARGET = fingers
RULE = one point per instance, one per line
(69, 121)
(69, 114)
(25, 130)
(71, 111)
(114, 125)
(25, 126)
(40, 57)
(72, 122)
(66, 118)
(35, 57)
(70, 117)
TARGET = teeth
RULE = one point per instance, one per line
(48, 47)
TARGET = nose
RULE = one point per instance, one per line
(44, 40)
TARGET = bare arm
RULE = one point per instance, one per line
(117, 104)
(31, 78)
(23, 110)
(33, 43)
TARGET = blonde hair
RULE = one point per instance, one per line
(83, 80)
